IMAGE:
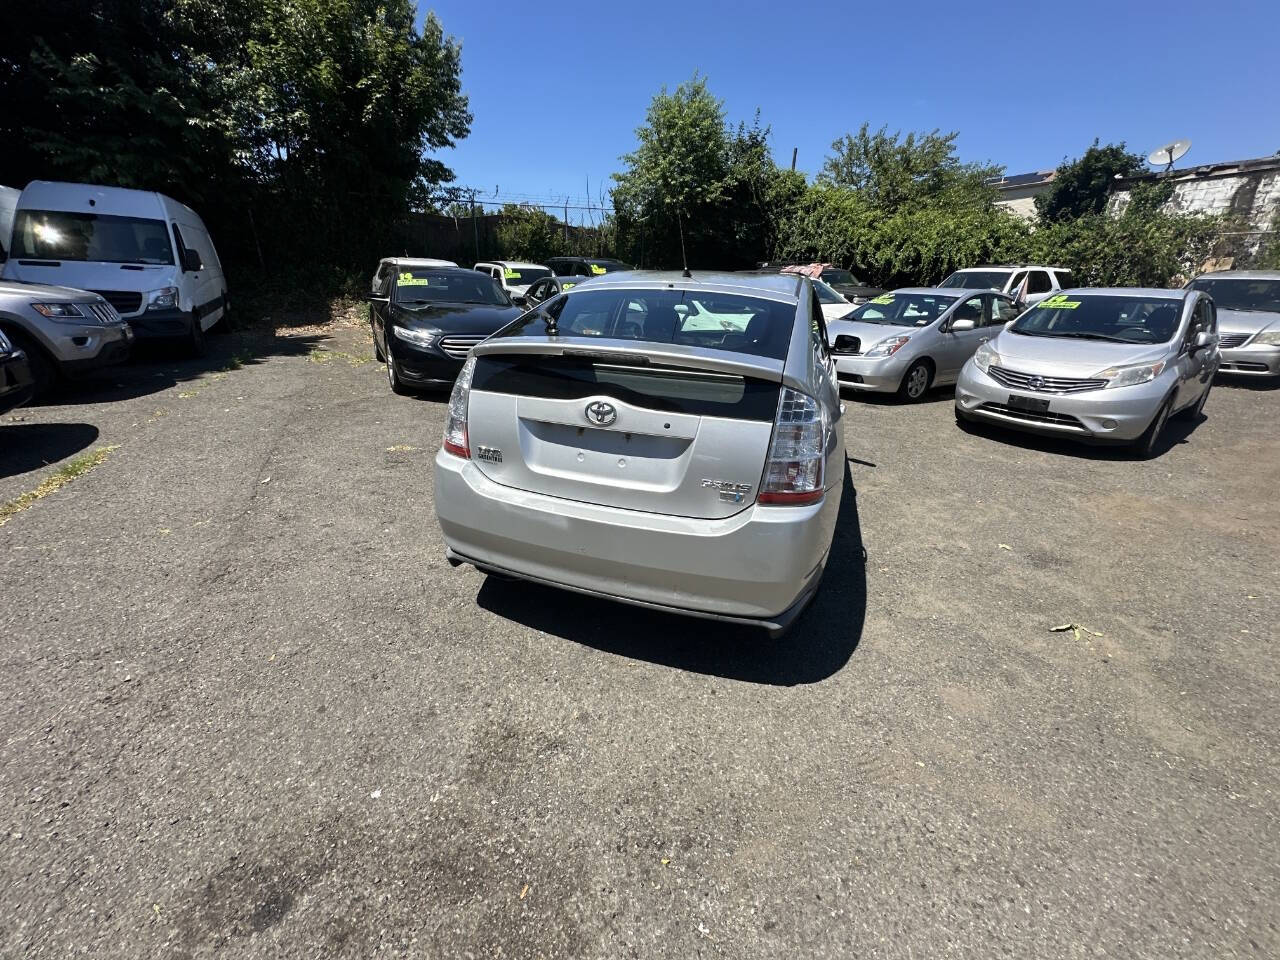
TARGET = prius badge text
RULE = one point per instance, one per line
(729, 492)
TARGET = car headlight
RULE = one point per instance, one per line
(1270, 338)
(1131, 375)
(166, 298)
(985, 357)
(418, 336)
(888, 347)
(67, 312)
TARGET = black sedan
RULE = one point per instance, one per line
(16, 383)
(426, 319)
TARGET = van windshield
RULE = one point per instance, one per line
(59, 235)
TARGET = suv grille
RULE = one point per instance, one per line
(460, 344)
(104, 312)
(1228, 340)
(1038, 384)
(125, 301)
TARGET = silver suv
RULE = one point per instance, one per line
(666, 441)
(62, 331)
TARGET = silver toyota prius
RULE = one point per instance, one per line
(1248, 305)
(909, 340)
(1096, 364)
(666, 441)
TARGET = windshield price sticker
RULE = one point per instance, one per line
(511, 274)
(597, 270)
(409, 280)
(566, 286)
(886, 298)
(1060, 302)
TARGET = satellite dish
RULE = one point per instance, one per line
(1166, 155)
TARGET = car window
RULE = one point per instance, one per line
(1040, 282)
(382, 281)
(1002, 310)
(1064, 279)
(1016, 281)
(1201, 320)
(817, 326)
(971, 309)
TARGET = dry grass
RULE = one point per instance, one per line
(55, 482)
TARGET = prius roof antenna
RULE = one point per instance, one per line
(684, 260)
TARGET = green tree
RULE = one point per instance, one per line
(1081, 187)
(528, 233)
(889, 170)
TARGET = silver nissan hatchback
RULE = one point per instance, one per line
(662, 440)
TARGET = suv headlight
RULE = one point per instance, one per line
(1131, 375)
(65, 312)
(166, 298)
(1270, 338)
(986, 356)
(887, 348)
(418, 336)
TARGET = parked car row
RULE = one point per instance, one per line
(89, 269)
(676, 442)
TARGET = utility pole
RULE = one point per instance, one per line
(475, 227)
(794, 151)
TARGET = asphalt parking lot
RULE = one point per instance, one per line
(248, 710)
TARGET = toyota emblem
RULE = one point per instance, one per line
(601, 414)
(1036, 383)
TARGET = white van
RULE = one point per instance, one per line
(149, 256)
(8, 204)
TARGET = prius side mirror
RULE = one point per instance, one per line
(959, 326)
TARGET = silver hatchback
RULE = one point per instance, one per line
(1096, 364)
(1248, 305)
(666, 441)
(909, 340)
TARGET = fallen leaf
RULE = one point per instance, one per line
(665, 861)
(524, 891)
(266, 480)
(376, 794)
(1005, 546)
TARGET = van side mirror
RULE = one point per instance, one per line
(191, 261)
(959, 326)
(845, 343)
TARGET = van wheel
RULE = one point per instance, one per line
(915, 383)
(1147, 444)
(196, 344)
(45, 376)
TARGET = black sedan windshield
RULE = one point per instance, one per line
(977, 279)
(903, 309)
(1238, 293)
(425, 285)
(1089, 317)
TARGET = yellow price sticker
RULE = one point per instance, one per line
(566, 286)
(1059, 302)
(597, 270)
(511, 274)
(409, 280)
(886, 298)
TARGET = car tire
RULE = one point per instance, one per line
(393, 379)
(1147, 445)
(197, 346)
(916, 382)
(45, 376)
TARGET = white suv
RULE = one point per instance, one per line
(1041, 281)
(514, 276)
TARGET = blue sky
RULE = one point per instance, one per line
(557, 90)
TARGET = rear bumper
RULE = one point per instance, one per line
(1120, 415)
(1252, 360)
(760, 566)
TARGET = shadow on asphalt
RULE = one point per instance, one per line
(933, 395)
(156, 366)
(817, 647)
(1236, 382)
(1176, 432)
(29, 446)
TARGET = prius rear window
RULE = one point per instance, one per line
(715, 321)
